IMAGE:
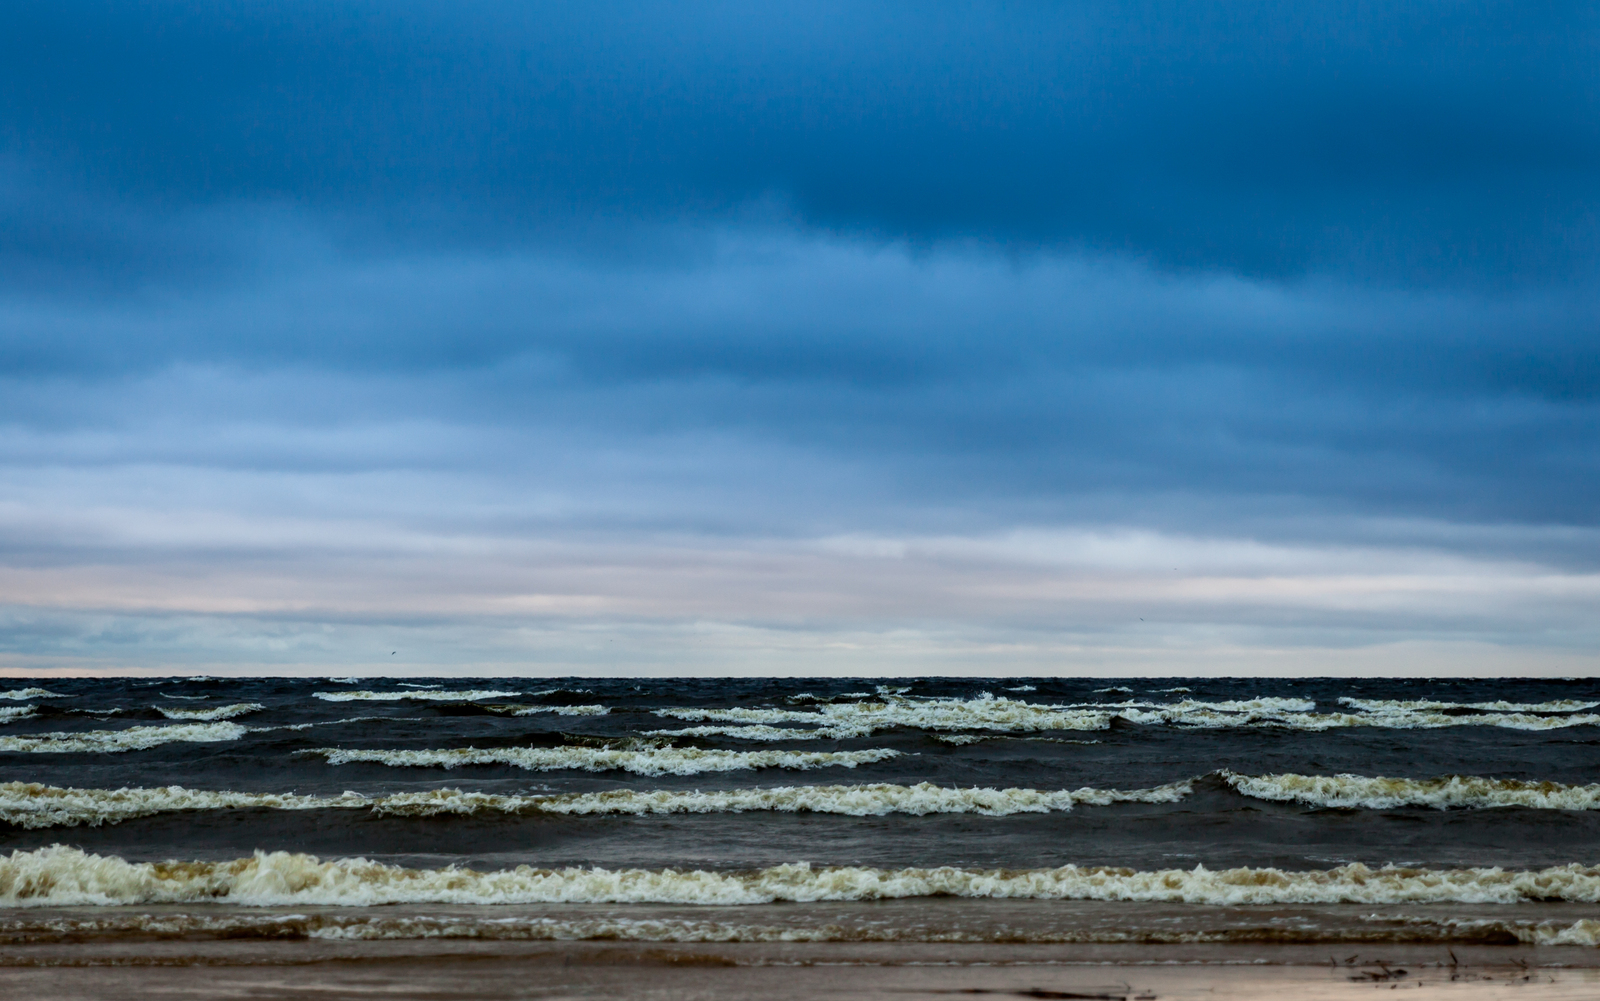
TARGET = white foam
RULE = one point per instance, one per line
(750, 731)
(859, 719)
(652, 761)
(10, 714)
(209, 715)
(60, 876)
(20, 694)
(986, 712)
(878, 799)
(595, 710)
(430, 695)
(1379, 793)
(1583, 932)
(1386, 705)
(136, 738)
(32, 805)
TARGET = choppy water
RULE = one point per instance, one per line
(933, 810)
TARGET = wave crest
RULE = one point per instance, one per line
(60, 876)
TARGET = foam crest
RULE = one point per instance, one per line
(1267, 704)
(877, 799)
(136, 738)
(748, 731)
(841, 720)
(21, 694)
(858, 719)
(652, 761)
(32, 805)
(10, 714)
(60, 876)
(211, 715)
(429, 695)
(1390, 705)
(563, 710)
(1379, 793)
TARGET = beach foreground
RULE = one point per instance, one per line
(903, 971)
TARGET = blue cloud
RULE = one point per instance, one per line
(298, 291)
(1412, 142)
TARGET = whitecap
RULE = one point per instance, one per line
(60, 877)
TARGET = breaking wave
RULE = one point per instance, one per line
(422, 694)
(20, 694)
(652, 761)
(211, 715)
(136, 738)
(32, 805)
(1379, 793)
(60, 876)
(1392, 705)
(562, 710)
(841, 720)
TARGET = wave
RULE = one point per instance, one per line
(10, 714)
(749, 731)
(59, 876)
(1379, 793)
(653, 761)
(562, 710)
(423, 694)
(842, 720)
(211, 715)
(136, 738)
(1391, 705)
(798, 925)
(21, 694)
(32, 805)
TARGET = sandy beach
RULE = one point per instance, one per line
(683, 972)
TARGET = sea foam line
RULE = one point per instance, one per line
(21, 694)
(429, 695)
(367, 924)
(841, 720)
(135, 738)
(32, 805)
(1381, 793)
(211, 715)
(654, 761)
(61, 876)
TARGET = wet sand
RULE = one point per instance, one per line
(440, 971)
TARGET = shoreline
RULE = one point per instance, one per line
(1330, 955)
(442, 971)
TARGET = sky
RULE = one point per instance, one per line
(1104, 338)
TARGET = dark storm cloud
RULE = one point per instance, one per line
(969, 331)
(1406, 141)
(962, 380)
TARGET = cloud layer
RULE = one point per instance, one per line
(1124, 338)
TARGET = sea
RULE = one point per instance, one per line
(942, 810)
